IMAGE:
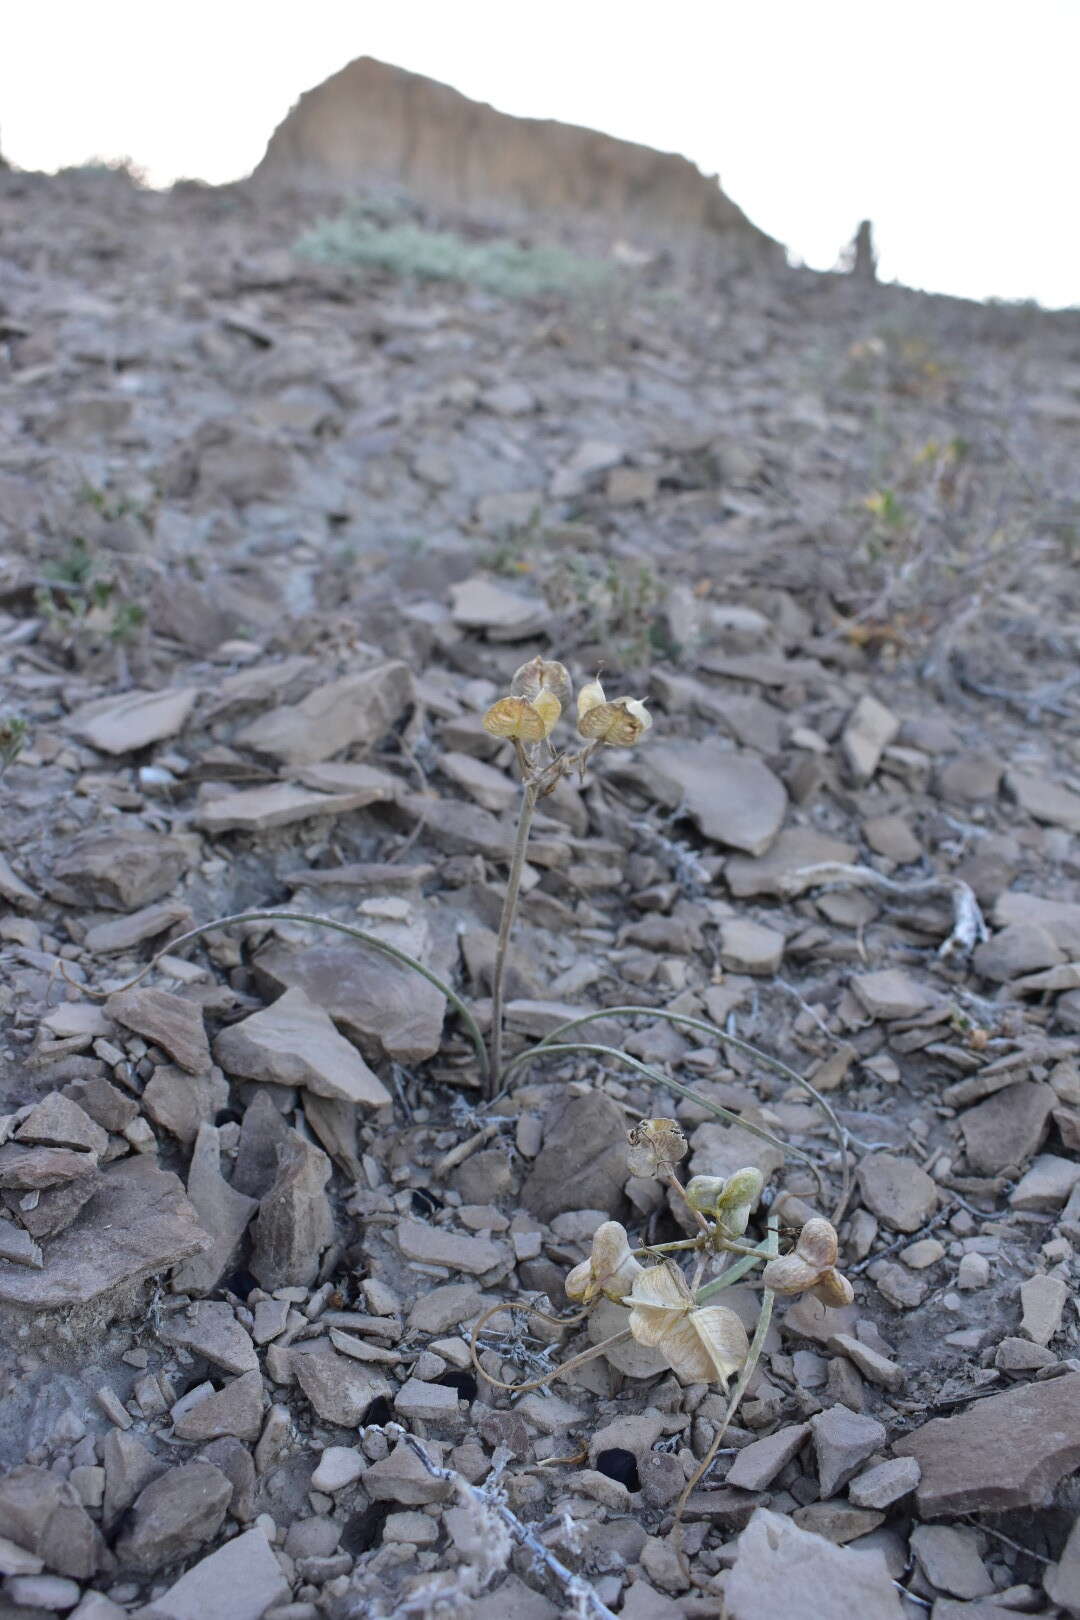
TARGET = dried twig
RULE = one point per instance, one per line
(969, 927)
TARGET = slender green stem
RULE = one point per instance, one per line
(770, 1248)
(734, 1273)
(371, 940)
(506, 923)
(658, 1079)
(764, 1058)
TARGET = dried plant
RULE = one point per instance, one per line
(675, 1313)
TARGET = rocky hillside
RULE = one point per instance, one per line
(372, 124)
(273, 536)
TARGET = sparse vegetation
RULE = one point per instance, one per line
(355, 241)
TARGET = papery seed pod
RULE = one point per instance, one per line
(654, 1143)
(610, 1270)
(700, 1344)
(549, 709)
(723, 1339)
(704, 1192)
(817, 1243)
(833, 1289)
(518, 719)
(789, 1274)
(811, 1267)
(589, 697)
(541, 675)
(619, 724)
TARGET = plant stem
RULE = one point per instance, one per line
(506, 923)
(770, 1248)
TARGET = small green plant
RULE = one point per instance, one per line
(354, 241)
(84, 602)
(14, 731)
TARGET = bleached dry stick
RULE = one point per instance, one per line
(969, 927)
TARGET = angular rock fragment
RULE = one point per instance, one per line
(1007, 1128)
(138, 1224)
(351, 713)
(340, 1389)
(294, 1043)
(748, 947)
(210, 1329)
(886, 1483)
(1045, 800)
(55, 1207)
(891, 994)
(129, 1466)
(174, 1516)
(1046, 1186)
(234, 1409)
(482, 604)
(869, 731)
(897, 1190)
(435, 1246)
(385, 1007)
(733, 798)
(122, 867)
(279, 805)
(295, 1222)
(843, 1440)
(1007, 1451)
(223, 1213)
(582, 1164)
(949, 1558)
(17, 1245)
(1042, 1301)
(123, 933)
(119, 725)
(182, 1103)
(27, 1169)
(56, 1121)
(778, 1566)
(239, 1581)
(757, 1465)
(41, 1512)
(169, 1021)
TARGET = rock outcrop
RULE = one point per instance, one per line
(377, 125)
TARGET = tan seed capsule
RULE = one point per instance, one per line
(619, 724)
(516, 718)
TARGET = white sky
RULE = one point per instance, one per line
(953, 124)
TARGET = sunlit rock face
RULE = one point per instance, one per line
(372, 124)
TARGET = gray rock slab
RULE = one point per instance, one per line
(339, 1388)
(171, 1022)
(172, 1517)
(294, 1043)
(732, 797)
(124, 866)
(782, 1570)
(119, 725)
(843, 1440)
(138, 1225)
(582, 1164)
(385, 1007)
(281, 804)
(897, 1190)
(240, 1581)
(295, 1222)
(222, 1211)
(1007, 1451)
(353, 712)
